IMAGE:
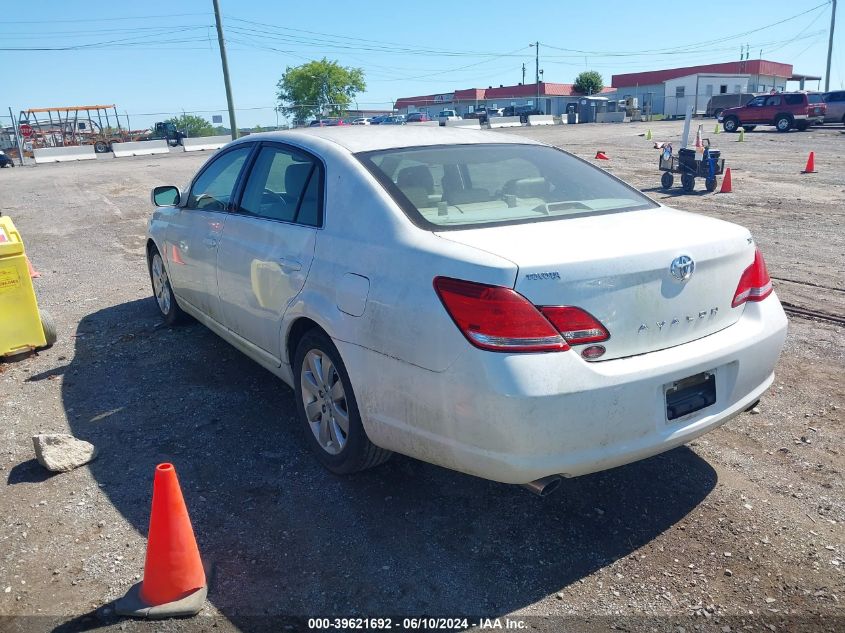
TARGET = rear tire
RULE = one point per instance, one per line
(101, 147)
(731, 124)
(783, 123)
(688, 183)
(710, 184)
(717, 113)
(326, 404)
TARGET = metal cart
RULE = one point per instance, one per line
(710, 166)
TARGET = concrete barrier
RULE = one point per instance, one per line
(610, 117)
(63, 154)
(140, 148)
(504, 121)
(425, 123)
(473, 124)
(202, 143)
(541, 119)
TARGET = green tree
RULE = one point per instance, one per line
(588, 82)
(192, 125)
(257, 129)
(318, 87)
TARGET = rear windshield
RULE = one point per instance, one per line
(459, 186)
(815, 98)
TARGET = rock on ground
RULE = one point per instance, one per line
(60, 452)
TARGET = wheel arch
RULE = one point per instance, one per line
(297, 330)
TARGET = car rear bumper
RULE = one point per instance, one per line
(515, 418)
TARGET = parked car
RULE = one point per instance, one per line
(361, 121)
(717, 103)
(376, 120)
(5, 161)
(410, 286)
(483, 114)
(417, 117)
(523, 112)
(396, 119)
(835, 102)
(329, 122)
(784, 110)
(447, 115)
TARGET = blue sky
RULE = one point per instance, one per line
(155, 59)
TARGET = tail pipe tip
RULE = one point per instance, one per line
(545, 486)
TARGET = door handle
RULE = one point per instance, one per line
(210, 242)
(289, 265)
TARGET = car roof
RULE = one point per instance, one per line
(364, 139)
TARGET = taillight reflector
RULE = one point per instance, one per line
(497, 318)
(755, 283)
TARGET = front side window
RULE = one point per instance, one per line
(757, 102)
(284, 185)
(463, 186)
(213, 188)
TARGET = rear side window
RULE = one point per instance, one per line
(794, 99)
(464, 186)
(283, 185)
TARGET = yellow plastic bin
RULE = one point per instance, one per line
(22, 327)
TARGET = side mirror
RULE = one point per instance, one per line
(166, 196)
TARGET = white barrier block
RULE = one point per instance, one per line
(540, 119)
(427, 123)
(610, 117)
(202, 143)
(504, 121)
(63, 154)
(473, 124)
(140, 148)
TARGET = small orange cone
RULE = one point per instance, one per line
(174, 580)
(601, 156)
(33, 274)
(726, 182)
(811, 164)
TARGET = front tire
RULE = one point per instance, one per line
(783, 123)
(688, 183)
(328, 409)
(731, 124)
(667, 180)
(163, 291)
(48, 325)
(101, 147)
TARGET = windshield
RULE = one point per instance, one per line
(459, 186)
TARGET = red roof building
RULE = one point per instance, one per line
(747, 67)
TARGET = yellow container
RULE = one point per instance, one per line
(21, 329)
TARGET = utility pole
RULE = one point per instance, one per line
(229, 101)
(536, 46)
(830, 46)
(523, 72)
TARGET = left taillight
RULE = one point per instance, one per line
(755, 283)
(575, 325)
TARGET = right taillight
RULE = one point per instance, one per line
(497, 318)
(755, 283)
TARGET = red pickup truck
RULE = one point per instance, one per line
(784, 110)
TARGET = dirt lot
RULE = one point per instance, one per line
(739, 531)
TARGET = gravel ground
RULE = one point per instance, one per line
(741, 530)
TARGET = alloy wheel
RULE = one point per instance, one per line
(161, 288)
(325, 401)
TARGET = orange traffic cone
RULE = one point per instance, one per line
(726, 182)
(174, 581)
(601, 156)
(33, 274)
(811, 164)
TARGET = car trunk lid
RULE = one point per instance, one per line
(618, 267)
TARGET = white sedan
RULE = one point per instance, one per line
(480, 301)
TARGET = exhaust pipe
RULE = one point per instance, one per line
(545, 486)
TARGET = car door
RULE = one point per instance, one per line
(268, 243)
(770, 109)
(193, 234)
(754, 110)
